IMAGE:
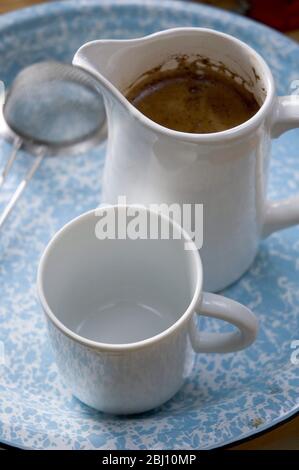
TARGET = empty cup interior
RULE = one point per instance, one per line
(117, 291)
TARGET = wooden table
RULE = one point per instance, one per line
(285, 436)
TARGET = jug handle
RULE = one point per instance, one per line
(283, 213)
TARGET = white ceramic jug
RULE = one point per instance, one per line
(224, 171)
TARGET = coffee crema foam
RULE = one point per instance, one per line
(194, 97)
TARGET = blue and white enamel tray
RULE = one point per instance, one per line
(226, 397)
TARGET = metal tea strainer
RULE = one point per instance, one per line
(51, 109)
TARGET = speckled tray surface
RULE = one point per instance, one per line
(226, 397)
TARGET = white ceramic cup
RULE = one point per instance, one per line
(121, 313)
(225, 171)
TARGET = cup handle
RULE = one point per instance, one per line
(284, 213)
(216, 306)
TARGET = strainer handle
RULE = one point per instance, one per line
(14, 152)
(21, 187)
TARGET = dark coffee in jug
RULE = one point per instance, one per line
(194, 97)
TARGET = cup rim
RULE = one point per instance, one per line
(204, 138)
(110, 347)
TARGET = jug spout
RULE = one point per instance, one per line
(119, 63)
(103, 59)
